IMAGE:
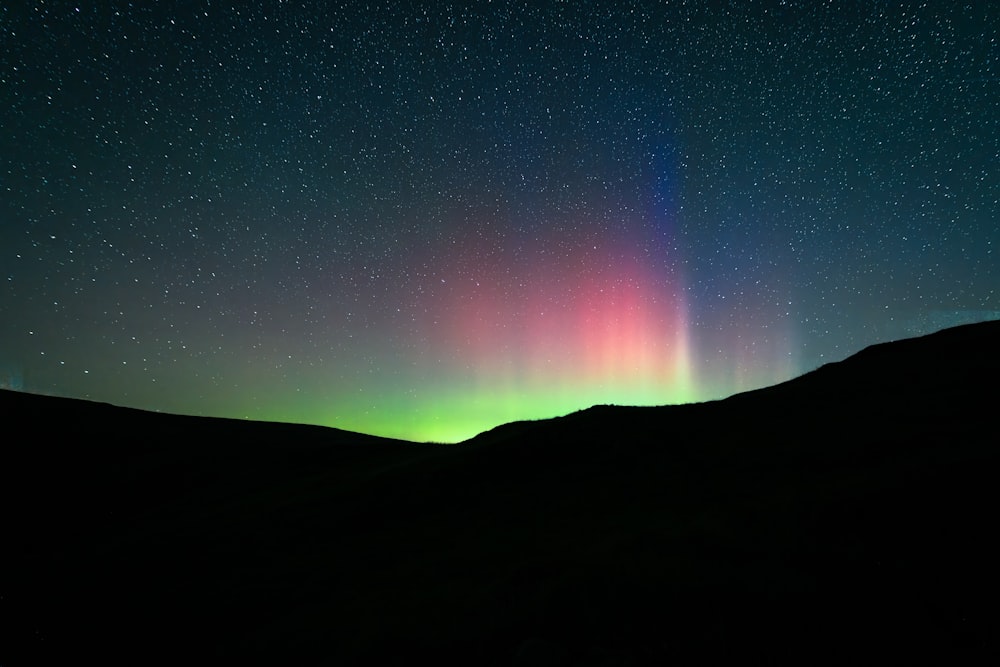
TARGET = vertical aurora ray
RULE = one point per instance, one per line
(517, 319)
(539, 313)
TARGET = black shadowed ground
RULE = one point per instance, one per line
(847, 516)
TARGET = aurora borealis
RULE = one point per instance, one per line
(423, 220)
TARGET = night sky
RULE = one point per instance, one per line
(424, 220)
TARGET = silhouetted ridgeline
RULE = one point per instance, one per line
(845, 516)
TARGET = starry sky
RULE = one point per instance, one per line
(422, 220)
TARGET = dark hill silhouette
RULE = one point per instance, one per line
(845, 516)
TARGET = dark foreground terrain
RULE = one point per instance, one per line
(848, 516)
